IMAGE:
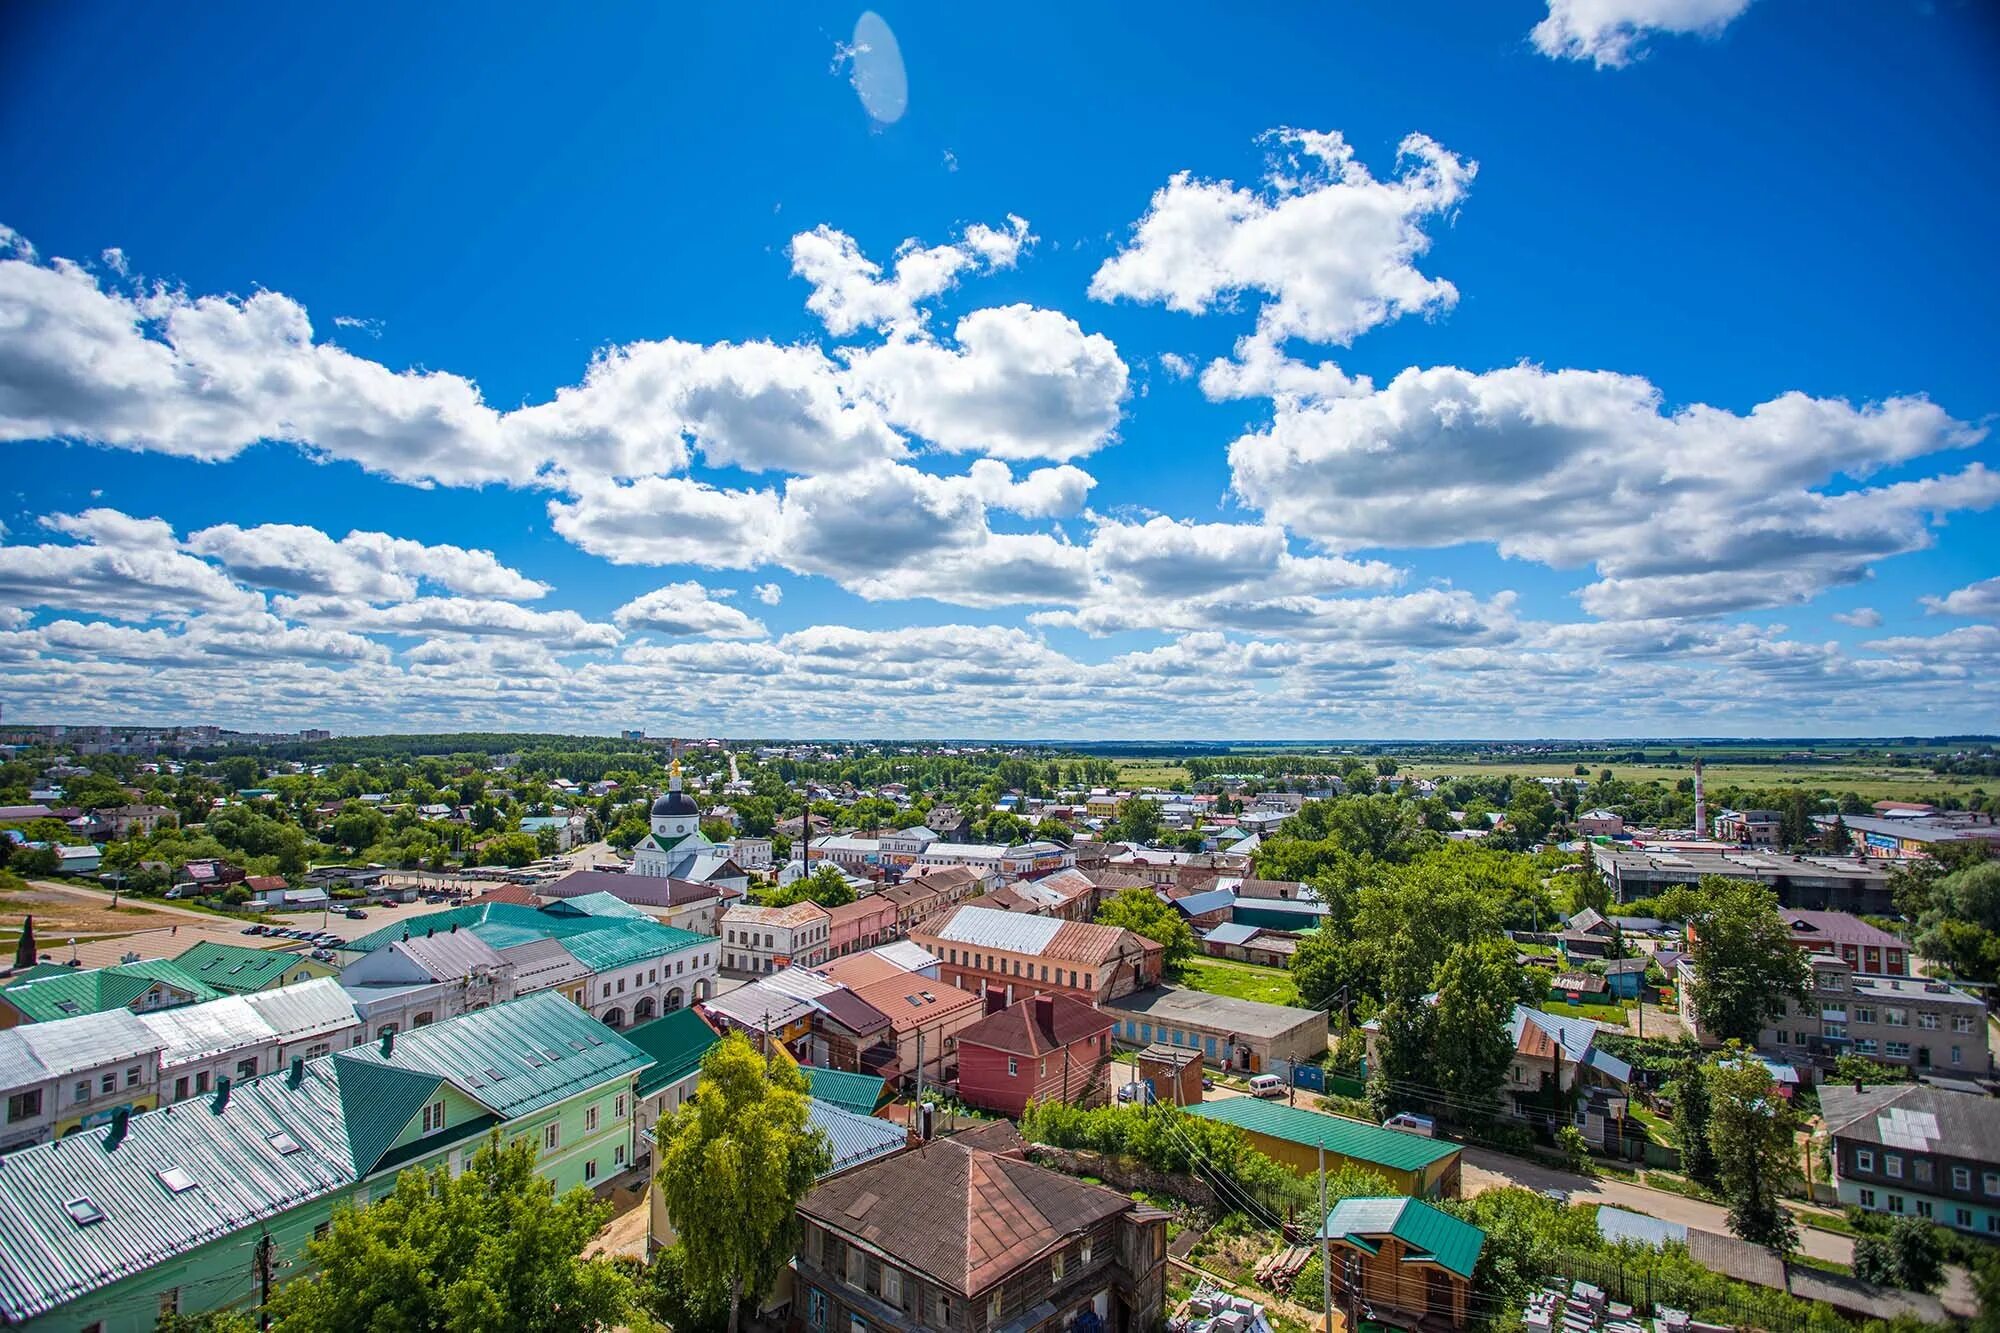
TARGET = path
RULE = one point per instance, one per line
(102, 898)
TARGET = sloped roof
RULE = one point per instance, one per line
(860, 1093)
(451, 955)
(34, 1052)
(1914, 1118)
(1437, 1235)
(1350, 1138)
(965, 1217)
(235, 968)
(1024, 1029)
(600, 940)
(304, 1009)
(854, 1138)
(1047, 937)
(66, 995)
(676, 1042)
(909, 999)
(269, 1146)
(645, 890)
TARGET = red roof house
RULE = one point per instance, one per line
(1049, 1047)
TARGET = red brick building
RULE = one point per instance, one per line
(1043, 1048)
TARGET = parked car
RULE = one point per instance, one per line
(253, 930)
(355, 914)
(1411, 1123)
(1267, 1085)
(1141, 1093)
(1559, 1196)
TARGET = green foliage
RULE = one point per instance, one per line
(1745, 963)
(665, 1292)
(513, 850)
(1752, 1136)
(212, 1321)
(34, 861)
(1171, 1141)
(1138, 821)
(1907, 1255)
(735, 1160)
(1141, 911)
(1575, 1149)
(1477, 987)
(1960, 922)
(1851, 1068)
(490, 1251)
(1691, 1121)
(826, 885)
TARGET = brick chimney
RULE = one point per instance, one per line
(996, 1000)
(1045, 1013)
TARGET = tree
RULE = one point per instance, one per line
(35, 861)
(211, 1321)
(1691, 1116)
(1140, 911)
(826, 885)
(1138, 820)
(664, 1291)
(357, 827)
(1839, 838)
(1851, 1068)
(1477, 988)
(1752, 1133)
(1745, 964)
(490, 1251)
(735, 1160)
(1960, 924)
(1907, 1255)
(511, 849)
(1054, 830)
(1575, 1149)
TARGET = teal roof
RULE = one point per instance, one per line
(239, 969)
(331, 1130)
(48, 997)
(854, 1139)
(1434, 1234)
(676, 1042)
(854, 1092)
(1350, 1138)
(601, 938)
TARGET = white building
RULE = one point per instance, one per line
(752, 854)
(764, 939)
(242, 1036)
(676, 846)
(74, 1073)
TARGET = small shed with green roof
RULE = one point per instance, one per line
(1418, 1166)
(1411, 1263)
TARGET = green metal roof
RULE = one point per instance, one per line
(853, 1092)
(1350, 1138)
(602, 941)
(676, 1042)
(239, 969)
(46, 998)
(1438, 1235)
(272, 1147)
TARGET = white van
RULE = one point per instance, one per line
(1267, 1085)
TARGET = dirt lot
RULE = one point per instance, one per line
(59, 914)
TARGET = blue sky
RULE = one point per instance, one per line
(1647, 391)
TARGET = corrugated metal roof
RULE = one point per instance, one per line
(1349, 1138)
(305, 1009)
(757, 1007)
(1616, 1224)
(853, 1138)
(43, 999)
(908, 955)
(335, 1125)
(236, 969)
(36, 1052)
(860, 1093)
(986, 928)
(238, 1022)
(449, 956)
(602, 941)
(1451, 1243)
(1230, 933)
(676, 1042)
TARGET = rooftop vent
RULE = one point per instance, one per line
(284, 1144)
(176, 1179)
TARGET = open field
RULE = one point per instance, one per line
(1149, 773)
(1241, 980)
(1870, 781)
(60, 915)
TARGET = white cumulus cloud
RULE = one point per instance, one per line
(1612, 33)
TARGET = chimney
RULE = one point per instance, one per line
(388, 1042)
(119, 1119)
(1700, 804)
(298, 1074)
(1045, 1012)
(996, 1000)
(221, 1094)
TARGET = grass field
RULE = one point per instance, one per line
(1599, 1013)
(1871, 782)
(1149, 773)
(1241, 980)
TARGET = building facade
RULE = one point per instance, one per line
(1910, 1150)
(765, 939)
(1020, 954)
(1045, 1048)
(1907, 1021)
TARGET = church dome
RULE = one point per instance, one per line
(673, 802)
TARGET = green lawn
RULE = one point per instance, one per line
(1242, 980)
(1602, 1013)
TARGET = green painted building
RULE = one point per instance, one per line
(237, 969)
(101, 1231)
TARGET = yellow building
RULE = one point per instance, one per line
(1420, 1167)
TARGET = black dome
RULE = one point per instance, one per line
(674, 803)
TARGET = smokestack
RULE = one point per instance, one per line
(388, 1043)
(119, 1119)
(221, 1094)
(298, 1074)
(1700, 804)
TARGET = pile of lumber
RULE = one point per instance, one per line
(1276, 1272)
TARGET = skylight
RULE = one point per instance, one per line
(177, 1180)
(83, 1212)
(493, 1073)
(284, 1143)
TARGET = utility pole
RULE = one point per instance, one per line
(1325, 1270)
(264, 1281)
(920, 1066)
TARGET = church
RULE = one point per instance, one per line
(677, 849)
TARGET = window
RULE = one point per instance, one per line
(1962, 1217)
(857, 1269)
(618, 1107)
(181, 1088)
(621, 985)
(590, 1169)
(170, 1301)
(1013, 1067)
(1083, 1253)
(319, 1232)
(1922, 1170)
(1864, 1046)
(1923, 1207)
(1989, 1181)
(1895, 1018)
(424, 1019)
(1961, 1023)
(618, 1155)
(1927, 1021)
(551, 1137)
(82, 1090)
(1868, 1198)
(589, 1119)
(1896, 1050)
(944, 1310)
(1957, 1056)
(1056, 1267)
(434, 1117)
(246, 1068)
(892, 1285)
(993, 1308)
(23, 1105)
(1895, 1203)
(1864, 1013)
(201, 1081)
(815, 1307)
(1864, 1159)
(1892, 1165)
(132, 1076)
(1961, 1177)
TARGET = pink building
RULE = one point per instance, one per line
(862, 924)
